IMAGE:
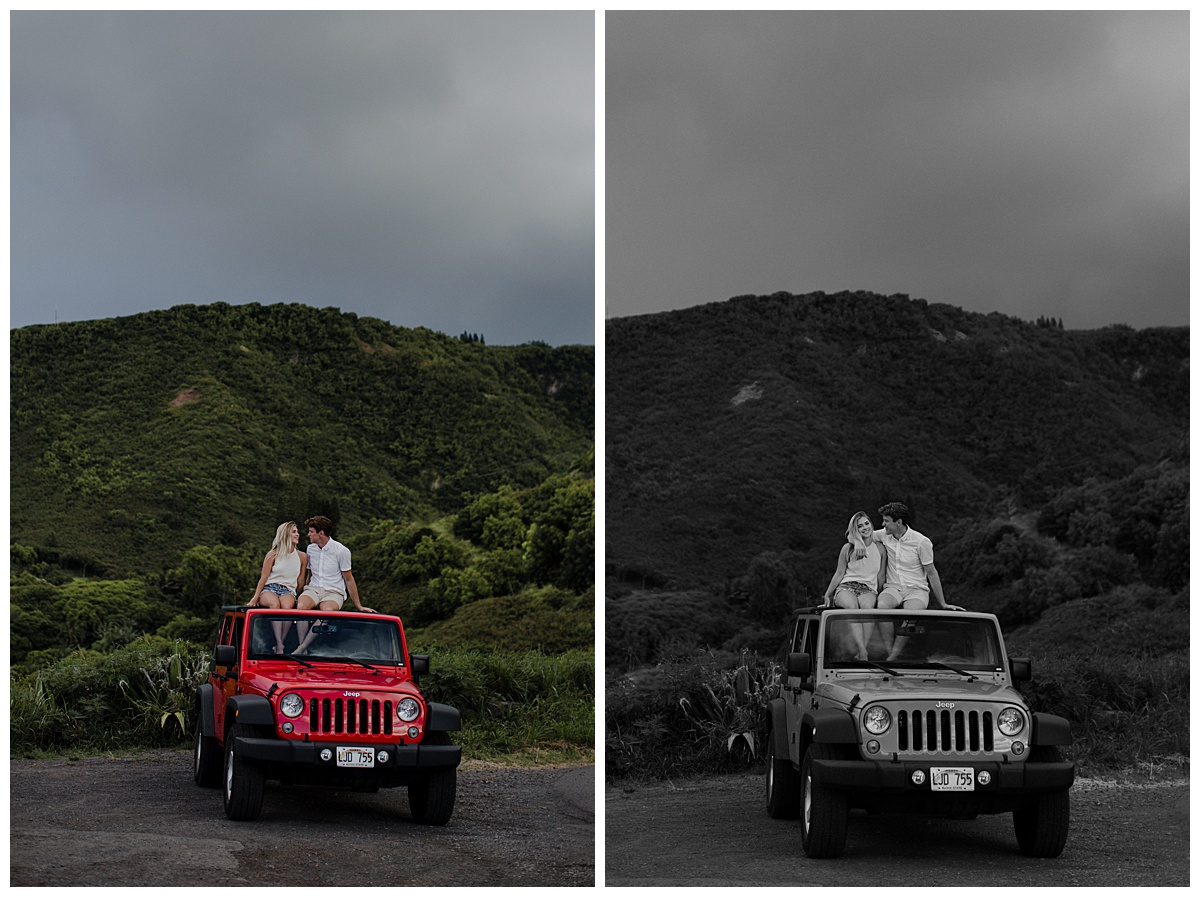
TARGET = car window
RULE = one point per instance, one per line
(922, 640)
(804, 635)
(335, 638)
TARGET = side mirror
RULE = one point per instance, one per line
(1022, 668)
(225, 655)
(799, 664)
(419, 664)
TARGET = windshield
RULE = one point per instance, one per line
(921, 640)
(316, 639)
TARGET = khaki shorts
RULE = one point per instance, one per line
(902, 595)
(320, 595)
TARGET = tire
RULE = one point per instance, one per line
(824, 811)
(1042, 825)
(244, 780)
(783, 785)
(431, 800)
(206, 759)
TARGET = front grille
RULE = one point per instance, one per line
(945, 731)
(349, 716)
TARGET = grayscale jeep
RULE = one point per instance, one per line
(940, 730)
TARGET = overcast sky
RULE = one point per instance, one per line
(430, 169)
(1027, 163)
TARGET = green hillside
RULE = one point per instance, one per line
(761, 424)
(135, 438)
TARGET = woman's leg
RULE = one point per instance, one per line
(866, 601)
(286, 601)
(848, 598)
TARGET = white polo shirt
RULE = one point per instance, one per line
(907, 557)
(325, 565)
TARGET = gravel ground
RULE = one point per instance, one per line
(716, 831)
(139, 819)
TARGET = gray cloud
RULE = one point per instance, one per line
(1028, 163)
(431, 169)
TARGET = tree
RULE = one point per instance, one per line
(209, 577)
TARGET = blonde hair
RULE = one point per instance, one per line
(282, 544)
(852, 535)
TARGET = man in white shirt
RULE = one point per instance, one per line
(329, 577)
(912, 579)
(911, 576)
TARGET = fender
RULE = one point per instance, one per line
(829, 727)
(1051, 730)
(443, 718)
(250, 710)
(204, 710)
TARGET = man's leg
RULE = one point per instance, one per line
(306, 601)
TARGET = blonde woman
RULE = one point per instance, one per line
(282, 574)
(861, 572)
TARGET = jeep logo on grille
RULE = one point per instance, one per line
(944, 705)
(355, 694)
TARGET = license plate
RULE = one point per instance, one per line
(952, 778)
(355, 757)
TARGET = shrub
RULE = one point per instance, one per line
(546, 620)
(90, 700)
(525, 703)
(703, 714)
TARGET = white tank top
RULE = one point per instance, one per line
(286, 569)
(865, 569)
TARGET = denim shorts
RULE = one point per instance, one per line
(278, 589)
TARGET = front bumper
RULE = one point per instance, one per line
(1007, 779)
(307, 754)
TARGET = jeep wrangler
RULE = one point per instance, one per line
(348, 712)
(939, 730)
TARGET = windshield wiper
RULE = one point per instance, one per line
(879, 666)
(294, 657)
(944, 666)
(361, 663)
(868, 663)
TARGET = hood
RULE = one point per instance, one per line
(333, 678)
(916, 687)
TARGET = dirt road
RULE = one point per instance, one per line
(716, 832)
(140, 820)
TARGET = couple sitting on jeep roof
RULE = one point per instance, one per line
(326, 563)
(885, 568)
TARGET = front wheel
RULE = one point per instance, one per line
(825, 811)
(431, 800)
(1042, 825)
(783, 785)
(244, 780)
(206, 759)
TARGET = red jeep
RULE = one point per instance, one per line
(346, 712)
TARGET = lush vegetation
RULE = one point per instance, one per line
(134, 439)
(154, 456)
(522, 706)
(1049, 466)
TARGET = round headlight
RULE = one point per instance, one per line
(877, 720)
(408, 709)
(292, 705)
(1010, 721)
